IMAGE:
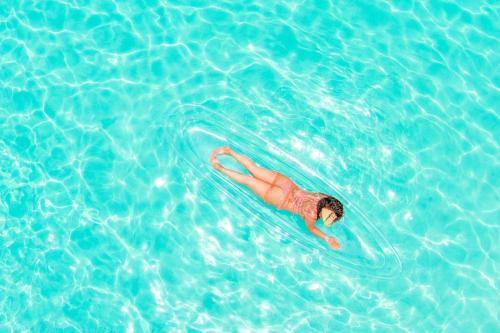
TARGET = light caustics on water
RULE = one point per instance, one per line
(196, 131)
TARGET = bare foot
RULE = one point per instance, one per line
(215, 164)
(222, 151)
(219, 151)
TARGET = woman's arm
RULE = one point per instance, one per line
(311, 225)
(332, 242)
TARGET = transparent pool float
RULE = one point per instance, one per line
(196, 131)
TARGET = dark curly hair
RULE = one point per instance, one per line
(332, 204)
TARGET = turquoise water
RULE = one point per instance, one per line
(111, 219)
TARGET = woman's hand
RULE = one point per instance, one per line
(332, 242)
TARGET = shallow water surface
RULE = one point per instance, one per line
(112, 220)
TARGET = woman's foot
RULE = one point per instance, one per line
(222, 151)
(215, 164)
(219, 151)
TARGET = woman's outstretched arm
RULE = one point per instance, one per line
(332, 242)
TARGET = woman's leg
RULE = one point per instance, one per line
(270, 194)
(266, 175)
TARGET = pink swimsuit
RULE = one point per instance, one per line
(298, 201)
